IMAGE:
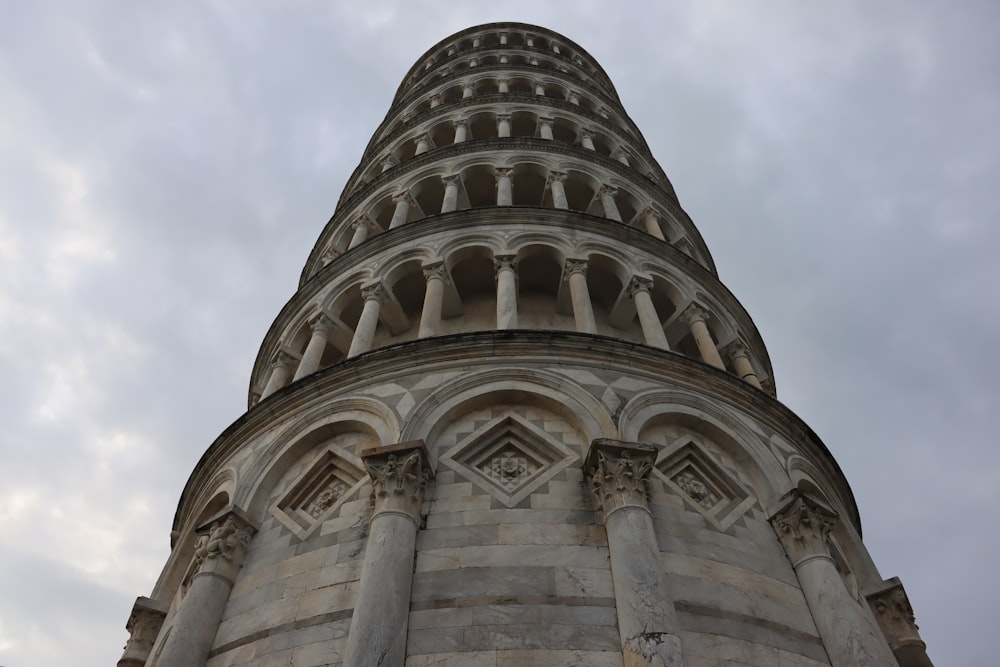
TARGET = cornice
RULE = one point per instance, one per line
(526, 348)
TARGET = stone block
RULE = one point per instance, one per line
(437, 559)
(525, 636)
(457, 536)
(511, 581)
(435, 640)
(463, 659)
(312, 560)
(324, 600)
(552, 533)
(584, 582)
(558, 658)
(521, 555)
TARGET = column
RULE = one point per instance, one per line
(402, 211)
(575, 273)
(503, 38)
(505, 186)
(740, 356)
(281, 367)
(695, 317)
(435, 101)
(587, 139)
(388, 164)
(503, 85)
(545, 127)
(436, 276)
(473, 62)
(652, 330)
(399, 474)
(894, 615)
(850, 637)
(450, 201)
(423, 145)
(651, 222)
(622, 157)
(461, 130)
(143, 626)
(506, 273)
(647, 622)
(503, 125)
(539, 88)
(557, 180)
(607, 195)
(362, 227)
(468, 91)
(475, 43)
(573, 98)
(374, 296)
(504, 59)
(309, 363)
(218, 557)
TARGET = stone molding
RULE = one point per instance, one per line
(618, 473)
(803, 524)
(221, 546)
(143, 625)
(895, 616)
(399, 475)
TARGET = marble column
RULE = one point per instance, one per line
(503, 38)
(388, 164)
(557, 181)
(362, 228)
(895, 617)
(505, 186)
(399, 474)
(652, 330)
(587, 139)
(435, 101)
(503, 85)
(622, 157)
(506, 274)
(281, 368)
(436, 276)
(143, 626)
(574, 98)
(607, 195)
(450, 201)
(374, 296)
(575, 273)
(310, 361)
(651, 223)
(740, 356)
(695, 317)
(539, 89)
(403, 201)
(423, 145)
(545, 127)
(647, 622)
(849, 634)
(218, 556)
(468, 91)
(461, 130)
(503, 125)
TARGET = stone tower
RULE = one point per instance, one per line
(512, 417)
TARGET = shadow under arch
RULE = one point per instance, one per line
(722, 425)
(553, 392)
(310, 429)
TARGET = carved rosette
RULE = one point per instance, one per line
(221, 547)
(895, 615)
(143, 626)
(619, 474)
(399, 475)
(803, 524)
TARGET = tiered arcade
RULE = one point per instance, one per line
(512, 417)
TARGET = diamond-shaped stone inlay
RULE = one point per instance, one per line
(330, 480)
(508, 457)
(695, 475)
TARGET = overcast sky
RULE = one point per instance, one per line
(166, 167)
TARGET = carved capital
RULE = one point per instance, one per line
(620, 153)
(389, 161)
(143, 626)
(546, 120)
(895, 615)
(374, 292)
(221, 546)
(650, 212)
(504, 262)
(574, 265)
(586, 133)
(402, 196)
(694, 313)
(638, 284)
(436, 271)
(557, 176)
(283, 359)
(503, 172)
(452, 180)
(399, 474)
(503, 117)
(461, 122)
(435, 99)
(321, 323)
(329, 255)
(737, 349)
(365, 222)
(619, 473)
(803, 524)
(607, 191)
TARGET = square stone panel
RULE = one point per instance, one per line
(335, 476)
(509, 458)
(703, 484)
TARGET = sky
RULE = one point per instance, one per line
(165, 169)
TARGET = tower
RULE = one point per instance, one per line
(512, 417)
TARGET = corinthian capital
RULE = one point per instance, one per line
(221, 546)
(895, 615)
(399, 474)
(143, 626)
(619, 473)
(803, 524)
